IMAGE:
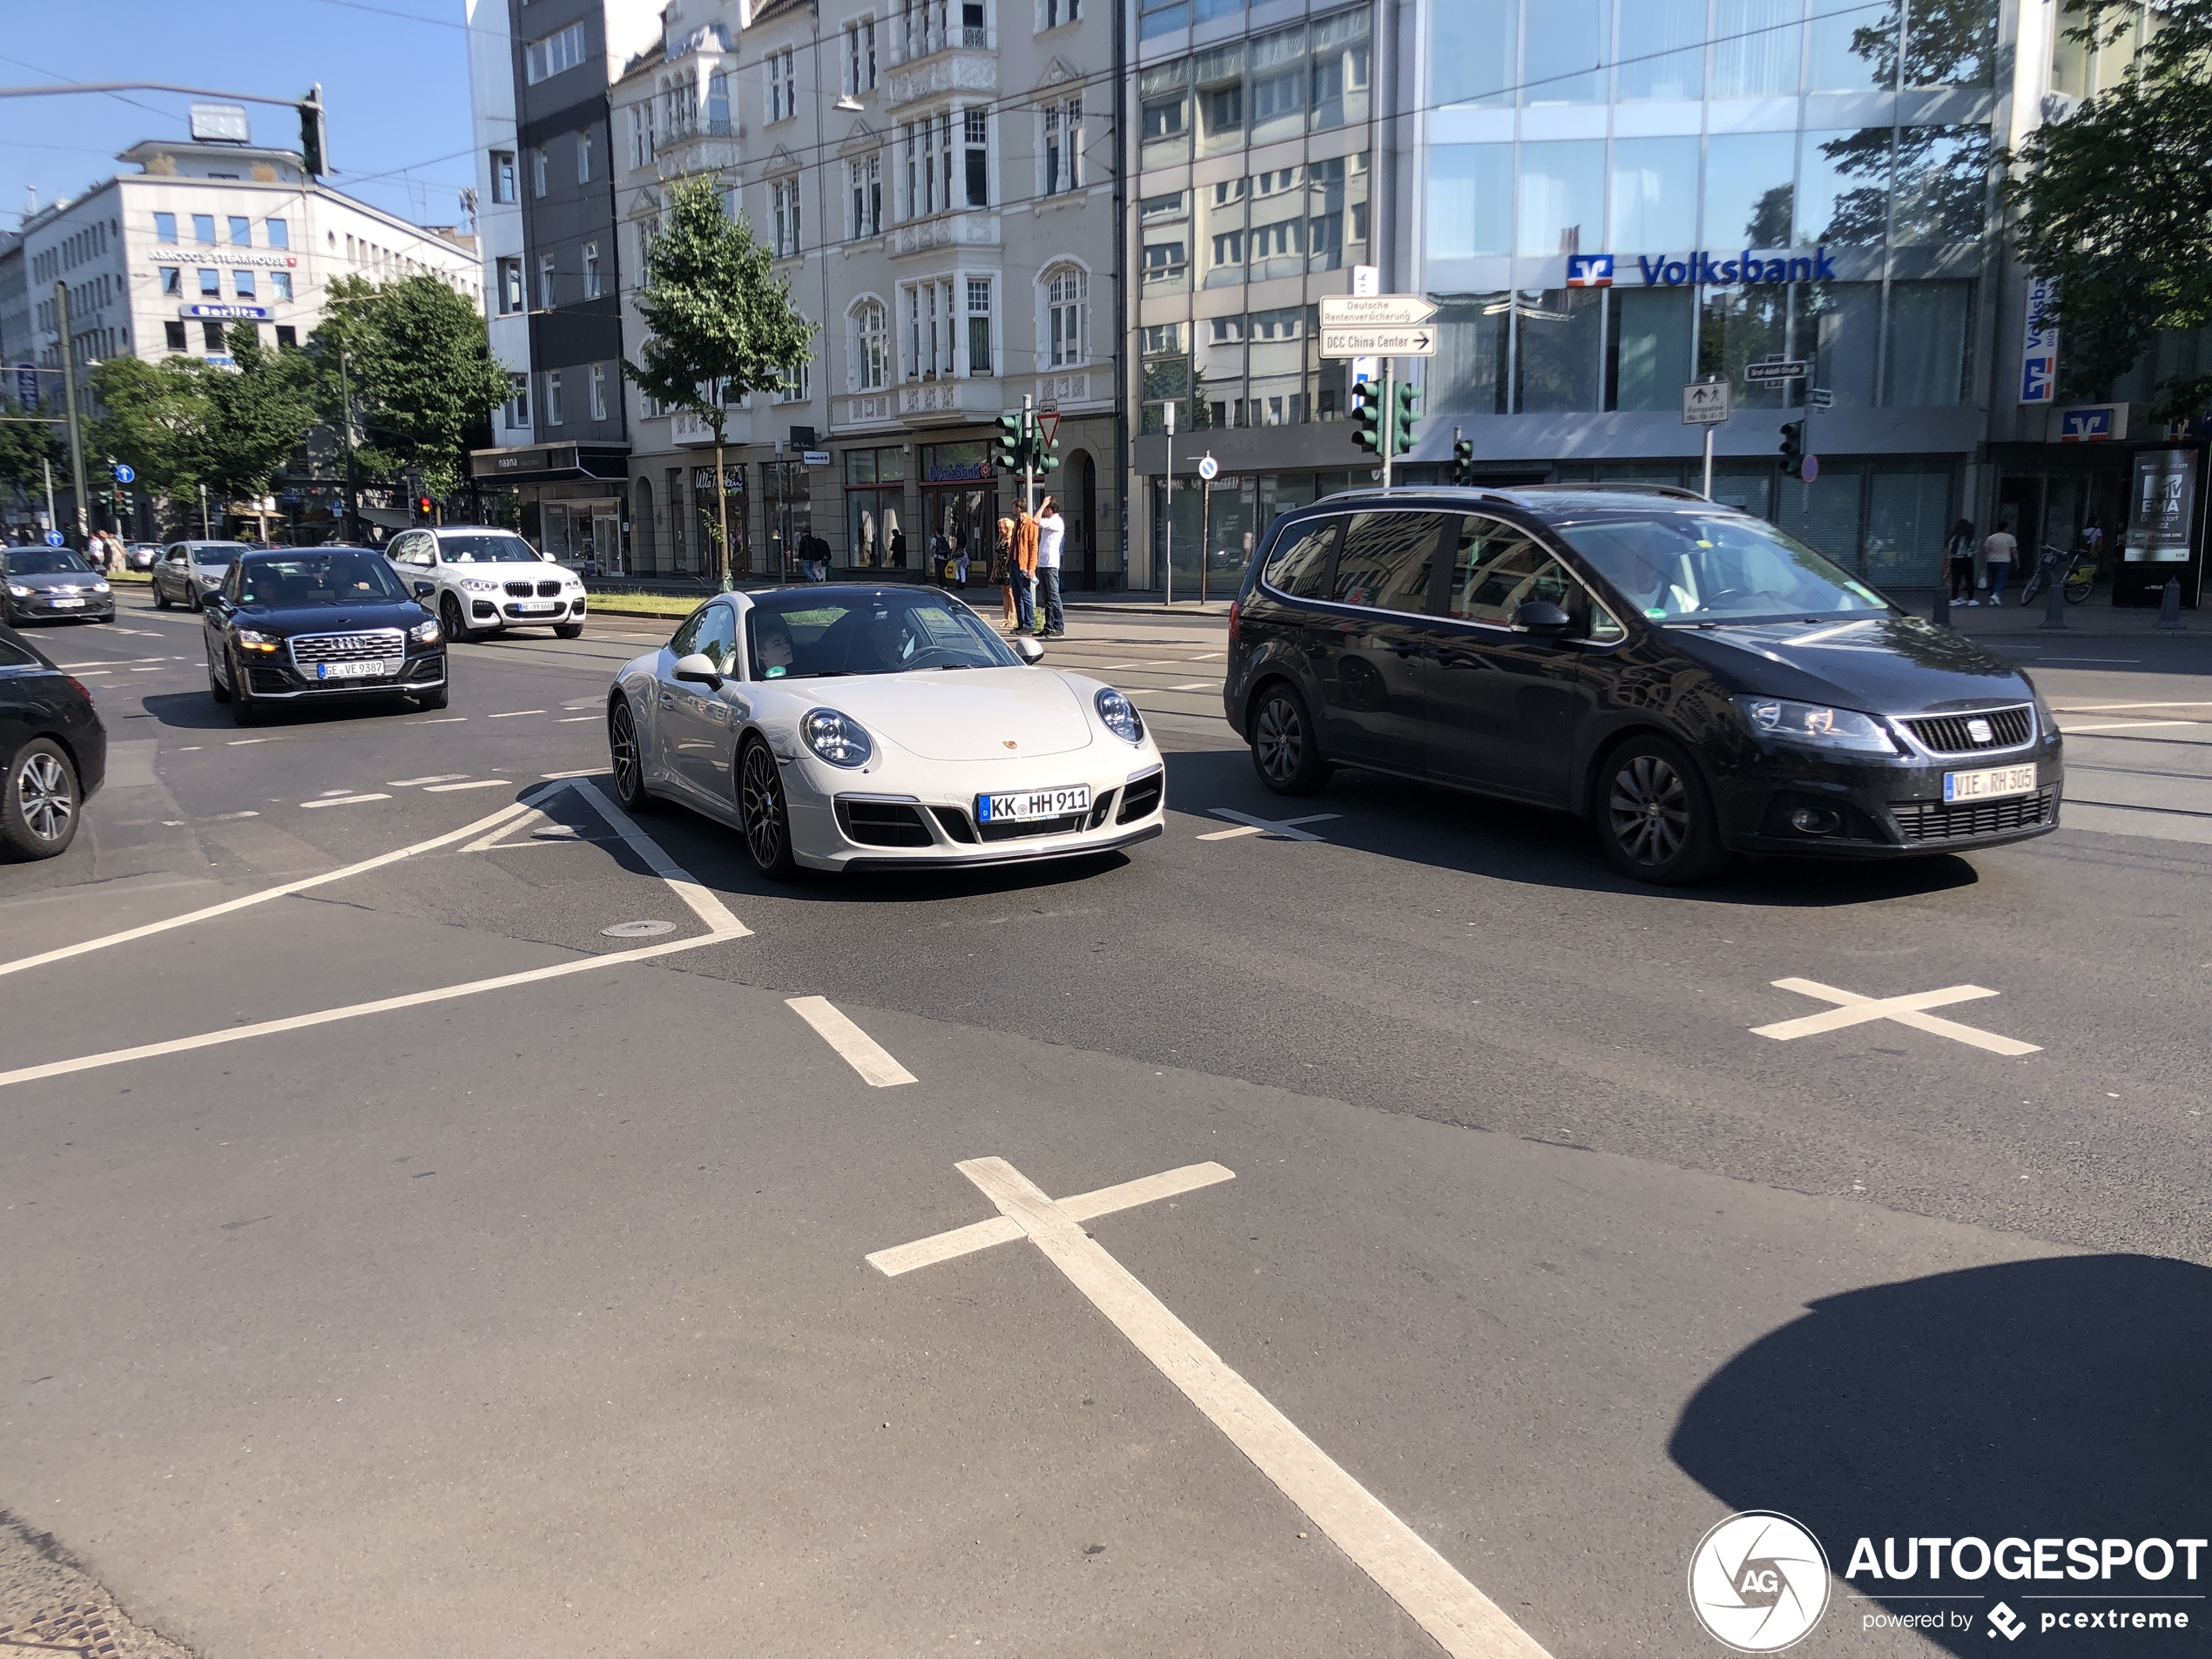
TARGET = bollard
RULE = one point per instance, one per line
(2054, 605)
(2169, 607)
(1941, 615)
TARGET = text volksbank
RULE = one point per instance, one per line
(1595, 270)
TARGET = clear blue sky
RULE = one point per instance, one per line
(394, 76)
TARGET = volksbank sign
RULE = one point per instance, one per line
(1595, 270)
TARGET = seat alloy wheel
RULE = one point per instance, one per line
(1654, 815)
(763, 812)
(1284, 751)
(38, 815)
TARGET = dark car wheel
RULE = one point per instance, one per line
(246, 708)
(1285, 752)
(569, 630)
(449, 619)
(436, 699)
(216, 689)
(38, 815)
(1655, 816)
(160, 596)
(765, 812)
(628, 759)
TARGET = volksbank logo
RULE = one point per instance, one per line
(1703, 270)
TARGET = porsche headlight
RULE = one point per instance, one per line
(424, 633)
(1119, 714)
(837, 737)
(255, 639)
(1815, 725)
(479, 584)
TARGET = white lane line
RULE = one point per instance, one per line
(239, 743)
(513, 714)
(1287, 828)
(2115, 708)
(299, 1022)
(687, 887)
(855, 1047)
(1854, 1009)
(345, 800)
(581, 772)
(572, 720)
(2129, 725)
(1084, 1206)
(435, 778)
(474, 783)
(1465, 1623)
(92, 673)
(149, 670)
(383, 859)
(448, 720)
(1195, 685)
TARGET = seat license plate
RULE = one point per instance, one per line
(65, 604)
(1992, 785)
(375, 669)
(1030, 805)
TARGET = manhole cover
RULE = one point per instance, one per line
(638, 929)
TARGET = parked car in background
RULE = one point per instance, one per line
(187, 571)
(53, 751)
(482, 580)
(51, 585)
(307, 624)
(140, 556)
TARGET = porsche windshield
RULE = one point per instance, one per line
(1693, 567)
(318, 579)
(819, 635)
(486, 549)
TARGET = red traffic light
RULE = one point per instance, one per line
(422, 505)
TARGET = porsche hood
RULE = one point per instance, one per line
(969, 714)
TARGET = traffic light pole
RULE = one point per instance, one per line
(1387, 426)
(68, 406)
(1029, 457)
(1167, 515)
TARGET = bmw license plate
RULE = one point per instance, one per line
(375, 669)
(537, 610)
(1993, 784)
(1031, 805)
(65, 604)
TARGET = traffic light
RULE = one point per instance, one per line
(1009, 444)
(1366, 418)
(422, 505)
(1793, 448)
(1401, 429)
(1463, 461)
(311, 136)
(1042, 449)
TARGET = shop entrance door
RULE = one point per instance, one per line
(956, 517)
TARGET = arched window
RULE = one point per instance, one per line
(871, 346)
(1067, 345)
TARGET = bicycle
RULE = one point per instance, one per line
(2075, 582)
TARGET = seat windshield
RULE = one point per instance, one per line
(1695, 567)
(318, 579)
(45, 560)
(486, 550)
(213, 553)
(819, 636)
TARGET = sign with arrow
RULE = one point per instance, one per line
(1706, 402)
(124, 475)
(1375, 310)
(1388, 341)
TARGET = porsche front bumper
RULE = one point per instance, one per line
(856, 829)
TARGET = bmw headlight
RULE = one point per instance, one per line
(837, 737)
(255, 639)
(479, 584)
(424, 633)
(1119, 714)
(1815, 725)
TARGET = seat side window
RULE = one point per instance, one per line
(1388, 560)
(1497, 569)
(718, 638)
(1299, 566)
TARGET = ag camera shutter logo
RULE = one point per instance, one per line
(1758, 1582)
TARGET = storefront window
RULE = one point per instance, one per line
(1908, 513)
(1470, 199)
(1562, 349)
(1748, 190)
(1741, 325)
(1838, 325)
(788, 513)
(874, 508)
(1653, 337)
(1468, 375)
(707, 516)
(1562, 196)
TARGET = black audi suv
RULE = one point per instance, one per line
(305, 625)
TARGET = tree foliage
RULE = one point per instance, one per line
(2114, 201)
(259, 413)
(419, 367)
(23, 446)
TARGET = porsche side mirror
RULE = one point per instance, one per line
(424, 590)
(699, 668)
(1541, 617)
(1029, 650)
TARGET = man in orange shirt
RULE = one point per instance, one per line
(1025, 570)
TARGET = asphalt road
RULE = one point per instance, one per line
(537, 1318)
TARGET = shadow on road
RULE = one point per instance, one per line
(2057, 1399)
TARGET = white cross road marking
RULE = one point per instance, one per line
(1854, 1009)
(1465, 1623)
(687, 887)
(345, 800)
(474, 783)
(1287, 828)
(855, 1047)
(1084, 1206)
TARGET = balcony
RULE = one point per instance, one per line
(1073, 387)
(949, 71)
(977, 227)
(685, 429)
(870, 409)
(926, 403)
(704, 146)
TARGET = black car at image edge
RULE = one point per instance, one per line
(53, 751)
(1681, 673)
(314, 624)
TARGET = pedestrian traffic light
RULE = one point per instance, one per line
(1009, 444)
(1793, 448)
(311, 136)
(1366, 418)
(1401, 428)
(1463, 461)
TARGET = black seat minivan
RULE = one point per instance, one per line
(1681, 673)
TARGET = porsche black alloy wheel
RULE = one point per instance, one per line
(762, 810)
(629, 763)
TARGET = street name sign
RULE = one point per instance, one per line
(1375, 311)
(1819, 397)
(1756, 373)
(1350, 341)
(1706, 402)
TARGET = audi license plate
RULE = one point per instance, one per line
(375, 669)
(1033, 805)
(1992, 785)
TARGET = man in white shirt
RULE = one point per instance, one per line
(1052, 532)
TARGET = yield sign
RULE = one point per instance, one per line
(1048, 424)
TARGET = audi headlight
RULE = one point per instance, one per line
(1815, 725)
(1119, 714)
(19, 591)
(255, 639)
(837, 737)
(479, 584)
(424, 633)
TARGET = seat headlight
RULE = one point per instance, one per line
(1815, 725)
(479, 584)
(837, 737)
(424, 633)
(1119, 714)
(255, 639)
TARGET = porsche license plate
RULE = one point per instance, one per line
(375, 669)
(1030, 805)
(1995, 783)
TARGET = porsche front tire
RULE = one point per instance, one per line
(764, 811)
(628, 759)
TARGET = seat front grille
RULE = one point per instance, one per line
(310, 649)
(1930, 822)
(1973, 731)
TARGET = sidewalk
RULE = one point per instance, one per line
(2096, 619)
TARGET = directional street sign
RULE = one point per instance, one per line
(1819, 397)
(1756, 373)
(55, 538)
(1416, 341)
(1375, 311)
(1706, 402)
(124, 475)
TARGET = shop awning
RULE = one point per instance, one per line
(549, 464)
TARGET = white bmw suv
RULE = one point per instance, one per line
(482, 580)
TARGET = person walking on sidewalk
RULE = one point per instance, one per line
(1997, 559)
(1959, 561)
(1052, 532)
(1001, 576)
(1025, 569)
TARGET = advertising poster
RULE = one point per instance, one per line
(2162, 502)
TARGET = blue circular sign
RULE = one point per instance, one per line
(124, 475)
(55, 538)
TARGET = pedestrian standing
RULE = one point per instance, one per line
(1003, 571)
(1997, 559)
(1025, 572)
(1052, 532)
(960, 558)
(898, 550)
(1959, 554)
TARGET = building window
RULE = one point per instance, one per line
(553, 397)
(1059, 11)
(511, 287)
(172, 280)
(591, 270)
(866, 176)
(599, 391)
(782, 85)
(541, 167)
(796, 386)
(930, 324)
(718, 103)
(1064, 307)
(165, 227)
(242, 284)
(203, 229)
(502, 176)
(921, 30)
(543, 59)
(783, 196)
(860, 56)
(241, 231)
(211, 283)
(1163, 117)
(583, 157)
(978, 324)
(975, 134)
(211, 335)
(286, 335)
(929, 165)
(641, 134)
(973, 30)
(545, 282)
(869, 368)
(280, 285)
(1064, 147)
(518, 401)
(173, 333)
(280, 232)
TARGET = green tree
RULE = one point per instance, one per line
(2114, 201)
(154, 417)
(422, 371)
(23, 445)
(721, 323)
(258, 413)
